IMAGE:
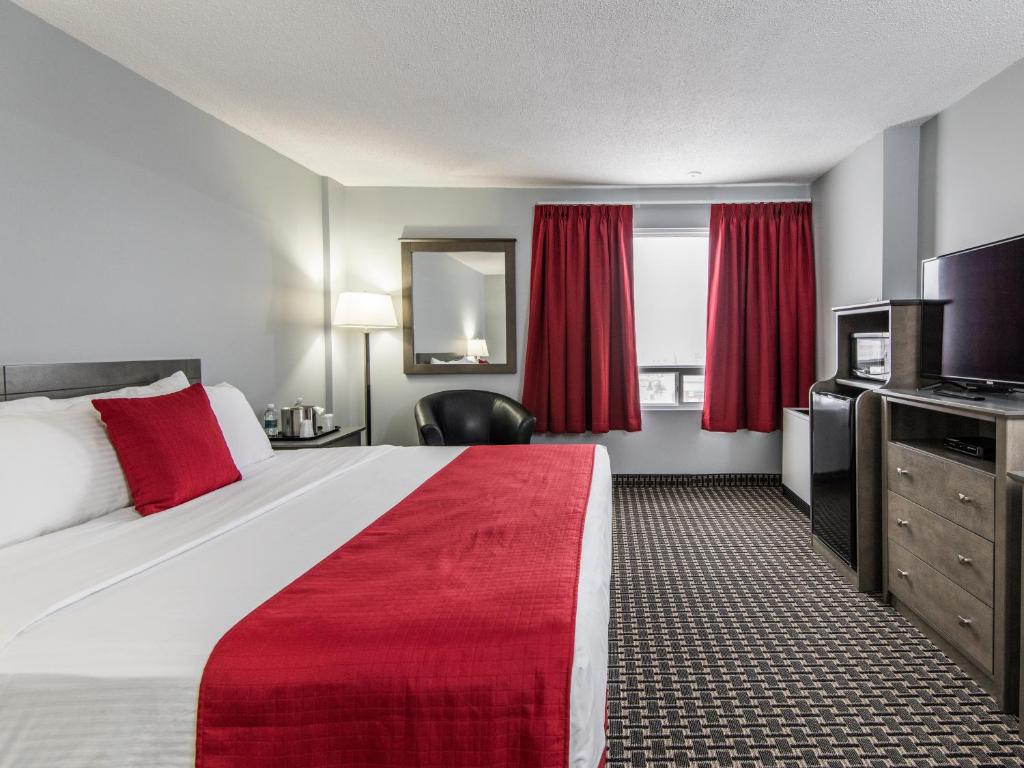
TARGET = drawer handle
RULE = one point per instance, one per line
(964, 621)
(903, 574)
(964, 499)
(902, 523)
(964, 559)
(902, 472)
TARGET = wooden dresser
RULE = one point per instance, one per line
(952, 529)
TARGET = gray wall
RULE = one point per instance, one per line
(865, 230)
(346, 345)
(902, 153)
(494, 316)
(847, 214)
(372, 219)
(916, 192)
(136, 226)
(972, 168)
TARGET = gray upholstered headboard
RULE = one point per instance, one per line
(60, 380)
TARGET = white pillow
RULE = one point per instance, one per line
(57, 466)
(242, 431)
(57, 469)
(25, 405)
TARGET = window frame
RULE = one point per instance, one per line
(678, 370)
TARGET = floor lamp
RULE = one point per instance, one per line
(365, 312)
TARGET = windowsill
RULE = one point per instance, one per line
(695, 368)
(680, 407)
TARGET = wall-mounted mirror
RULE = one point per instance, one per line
(459, 306)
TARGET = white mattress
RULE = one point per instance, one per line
(105, 628)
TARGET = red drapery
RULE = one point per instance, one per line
(761, 315)
(581, 371)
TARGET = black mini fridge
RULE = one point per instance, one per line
(833, 473)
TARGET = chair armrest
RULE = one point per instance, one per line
(426, 424)
(512, 424)
(430, 434)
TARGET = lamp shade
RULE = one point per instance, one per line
(476, 347)
(358, 309)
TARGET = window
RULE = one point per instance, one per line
(670, 290)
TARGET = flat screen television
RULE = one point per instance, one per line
(974, 333)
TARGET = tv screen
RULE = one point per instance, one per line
(977, 330)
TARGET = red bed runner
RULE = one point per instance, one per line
(441, 636)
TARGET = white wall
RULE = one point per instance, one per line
(972, 168)
(371, 220)
(136, 226)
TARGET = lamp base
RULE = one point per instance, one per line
(366, 380)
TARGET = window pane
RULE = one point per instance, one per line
(658, 389)
(693, 389)
(670, 276)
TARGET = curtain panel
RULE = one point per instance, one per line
(761, 315)
(581, 371)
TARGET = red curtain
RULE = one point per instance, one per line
(761, 315)
(581, 371)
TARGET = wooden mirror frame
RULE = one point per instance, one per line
(495, 245)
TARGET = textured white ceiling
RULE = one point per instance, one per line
(515, 93)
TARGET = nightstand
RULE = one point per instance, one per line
(342, 437)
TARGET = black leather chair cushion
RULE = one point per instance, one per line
(472, 417)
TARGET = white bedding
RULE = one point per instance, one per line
(105, 627)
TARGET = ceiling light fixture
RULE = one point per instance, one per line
(694, 174)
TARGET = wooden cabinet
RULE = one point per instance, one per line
(953, 612)
(902, 320)
(947, 486)
(952, 536)
(964, 558)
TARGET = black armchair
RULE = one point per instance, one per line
(472, 417)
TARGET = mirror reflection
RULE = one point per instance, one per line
(459, 305)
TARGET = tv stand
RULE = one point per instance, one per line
(965, 393)
(960, 395)
(939, 387)
(953, 529)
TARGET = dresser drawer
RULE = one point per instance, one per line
(963, 557)
(954, 613)
(958, 493)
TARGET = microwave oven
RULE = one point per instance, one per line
(869, 356)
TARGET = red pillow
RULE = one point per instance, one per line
(170, 447)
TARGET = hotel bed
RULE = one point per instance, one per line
(106, 627)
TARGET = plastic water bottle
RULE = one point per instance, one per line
(270, 421)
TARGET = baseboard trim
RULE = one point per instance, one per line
(795, 500)
(731, 480)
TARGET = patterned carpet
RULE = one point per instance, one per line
(732, 644)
